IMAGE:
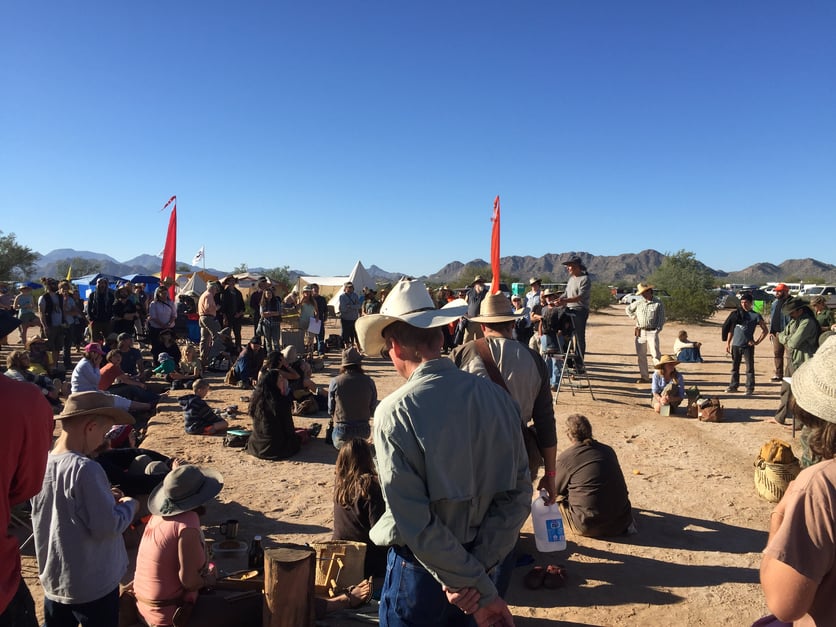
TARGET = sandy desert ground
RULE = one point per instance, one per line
(701, 524)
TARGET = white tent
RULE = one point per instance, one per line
(332, 286)
(195, 282)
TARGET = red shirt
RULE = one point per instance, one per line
(27, 422)
(109, 374)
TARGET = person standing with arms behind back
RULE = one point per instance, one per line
(777, 321)
(453, 469)
(649, 314)
(321, 314)
(26, 417)
(349, 312)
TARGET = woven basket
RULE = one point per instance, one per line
(339, 564)
(771, 480)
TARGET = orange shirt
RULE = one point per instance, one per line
(109, 374)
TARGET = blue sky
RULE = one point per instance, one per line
(313, 134)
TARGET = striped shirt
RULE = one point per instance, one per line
(648, 314)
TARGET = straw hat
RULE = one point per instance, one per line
(813, 384)
(666, 359)
(351, 356)
(552, 292)
(477, 279)
(184, 489)
(496, 308)
(641, 288)
(289, 353)
(94, 404)
(534, 280)
(407, 302)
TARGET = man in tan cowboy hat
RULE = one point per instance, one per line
(532, 297)
(523, 374)
(649, 314)
(78, 519)
(453, 470)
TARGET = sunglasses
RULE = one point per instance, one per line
(384, 352)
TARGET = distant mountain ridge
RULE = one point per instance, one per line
(628, 267)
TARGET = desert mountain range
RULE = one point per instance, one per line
(625, 268)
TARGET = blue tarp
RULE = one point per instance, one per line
(87, 283)
(151, 282)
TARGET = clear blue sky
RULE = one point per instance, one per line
(313, 134)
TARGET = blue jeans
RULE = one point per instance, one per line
(103, 612)
(344, 431)
(554, 362)
(411, 597)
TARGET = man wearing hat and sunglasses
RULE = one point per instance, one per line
(27, 422)
(78, 520)
(453, 470)
(649, 314)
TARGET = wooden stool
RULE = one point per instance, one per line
(289, 573)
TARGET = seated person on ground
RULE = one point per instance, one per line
(17, 368)
(168, 370)
(667, 386)
(199, 418)
(249, 362)
(274, 436)
(40, 357)
(114, 380)
(685, 350)
(190, 364)
(591, 489)
(358, 502)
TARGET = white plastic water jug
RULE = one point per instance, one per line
(548, 524)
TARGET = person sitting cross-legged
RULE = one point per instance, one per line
(199, 418)
(667, 386)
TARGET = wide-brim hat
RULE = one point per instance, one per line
(407, 302)
(289, 353)
(534, 279)
(183, 489)
(496, 308)
(351, 356)
(94, 403)
(552, 292)
(792, 304)
(666, 359)
(94, 347)
(641, 288)
(8, 323)
(574, 260)
(477, 279)
(813, 384)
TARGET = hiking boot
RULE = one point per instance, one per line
(775, 378)
(750, 392)
(731, 389)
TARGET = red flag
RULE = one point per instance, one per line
(495, 247)
(169, 266)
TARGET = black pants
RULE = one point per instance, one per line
(739, 353)
(21, 609)
(349, 334)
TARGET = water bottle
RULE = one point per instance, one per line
(255, 557)
(548, 524)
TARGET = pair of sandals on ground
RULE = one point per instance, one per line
(550, 577)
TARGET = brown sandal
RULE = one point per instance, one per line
(555, 577)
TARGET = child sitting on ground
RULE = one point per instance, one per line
(190, 364)
(200, 419)
(168, 369)
(685, 350)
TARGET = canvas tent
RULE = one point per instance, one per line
(195, 282)
(332, 286)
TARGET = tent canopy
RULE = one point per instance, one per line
(195, 281)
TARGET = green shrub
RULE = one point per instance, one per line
(689, 284)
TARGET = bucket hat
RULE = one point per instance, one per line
(183, 489)
(408, 302)
(94, 347)
(496, 308)
(351, 356)
(813, 385)
(792, 304)
(94, 404)
(666, 359)
(574, 260)
(641, 288)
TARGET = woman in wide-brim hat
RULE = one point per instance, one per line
(171, 564)
(667, 386)
(797, 571)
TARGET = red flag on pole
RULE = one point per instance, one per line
(495, 247)
(169, 266)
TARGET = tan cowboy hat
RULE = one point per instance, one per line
(812, 384)
(289, 353)
(477, 279)
(641, 288)
(351, 356)
(666, 359)
(408, 302)
(94, 404)
(534, 279)
(552, 292)
(496, 308)
(183, 489)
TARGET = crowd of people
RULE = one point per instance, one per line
(441, 522)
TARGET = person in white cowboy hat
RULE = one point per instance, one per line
(27, 421)
(452, 466)
(797, 571)
(532, 297)
(649, 314)
(523, 373)
(78, 519)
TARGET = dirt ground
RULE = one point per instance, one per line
(701, 524)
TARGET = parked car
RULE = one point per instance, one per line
(660, 294)
(827, 291)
